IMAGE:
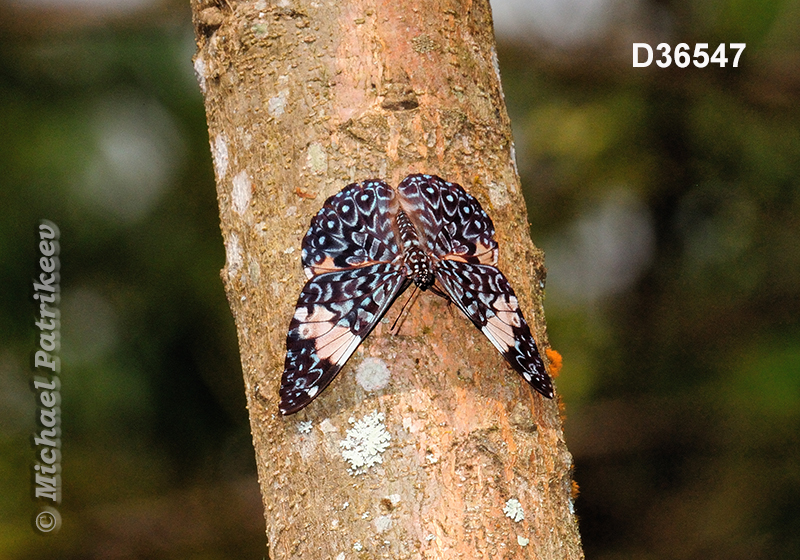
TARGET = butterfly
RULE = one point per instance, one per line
(366, 246)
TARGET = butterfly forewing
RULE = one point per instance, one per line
(353, 228)
(451, 222)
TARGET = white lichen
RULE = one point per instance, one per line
(327, 427)
(513, 155)
(383, 523)
(219, 153)
(498, 195)
(372, 374)
(522, 541)
(317, 159)
(242, 192)
(365, 443)
(200, 72)
(513, 510)
(357, 546)
(304, 427)
(496, 67)
(277, 105)
(233, 254)
(254, 271)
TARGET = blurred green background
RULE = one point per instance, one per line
(667, 201)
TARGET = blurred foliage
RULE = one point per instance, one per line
(104, 134)
(667, 202)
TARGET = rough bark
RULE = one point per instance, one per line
(302, 98)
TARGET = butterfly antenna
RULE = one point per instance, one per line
(403, 310)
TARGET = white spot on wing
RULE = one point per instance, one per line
(341, 356)
(320, 314)
(500, 332)
(301, 314)
(510, 318)
(508, 303)
(325, 335)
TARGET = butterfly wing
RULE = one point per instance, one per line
(353, 229)
(335, 312)
(459, 234)
(350, 255)
(451, 222)
(483, 293)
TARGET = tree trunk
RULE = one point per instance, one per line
(302, 98)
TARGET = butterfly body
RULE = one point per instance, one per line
(418, 264)
(366, 246)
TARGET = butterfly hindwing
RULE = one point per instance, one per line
(460, 236)
(483, 293)
(334, 313)
(349, 256)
